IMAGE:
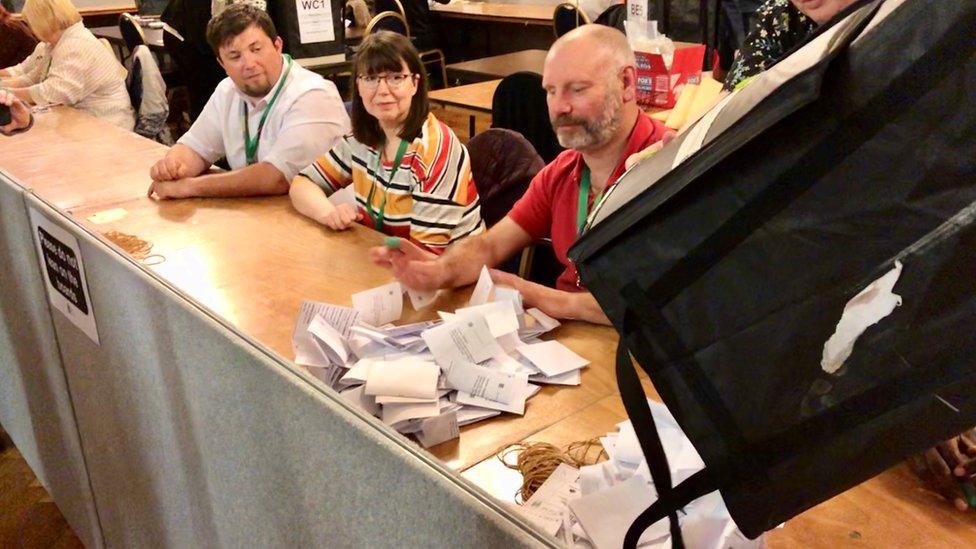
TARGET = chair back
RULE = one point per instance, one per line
(502, 163)
(147, 92)
(131, 32)
(614, 16)
(519, 104)
(567, 17)
(389, 21)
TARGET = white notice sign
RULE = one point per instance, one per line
(64, 272)
(315, 21)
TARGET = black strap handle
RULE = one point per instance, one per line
(639, 412)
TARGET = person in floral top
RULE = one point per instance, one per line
(780, 27)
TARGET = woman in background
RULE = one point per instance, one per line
(69, 66)
(16, 40)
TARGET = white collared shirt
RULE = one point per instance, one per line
(305, 121)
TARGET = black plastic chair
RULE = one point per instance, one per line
(567, 17)
(519, 104)
(401, 26)
(614, 16)
(131, 32)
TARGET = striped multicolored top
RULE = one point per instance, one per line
(432, 199)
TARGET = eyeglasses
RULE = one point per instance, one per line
(393, 80)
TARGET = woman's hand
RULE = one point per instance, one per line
(342, 217)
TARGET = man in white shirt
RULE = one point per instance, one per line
(292, 116)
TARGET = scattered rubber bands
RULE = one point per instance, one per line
(132, 245)
(537, 460)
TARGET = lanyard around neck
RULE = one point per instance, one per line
(583, 209)
(378, 215)
(251, 145)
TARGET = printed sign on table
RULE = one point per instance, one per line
(64, 272)
(315, 21)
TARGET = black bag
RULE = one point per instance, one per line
(727, 272)
(285, 14)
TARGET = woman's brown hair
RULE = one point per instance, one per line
(386, 51)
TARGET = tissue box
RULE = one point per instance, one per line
(656, 85)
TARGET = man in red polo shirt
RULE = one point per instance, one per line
(590, 83)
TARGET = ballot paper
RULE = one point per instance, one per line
(377, 336)
(403, 378)
(358, 373)
(517, 406)
(482, 382)
(469, 339)
(483, 289)
(361, 400)
(435, 430)
(420, 299)
(569, 378)
(548, 504)
(473, 414)
(507, 293)
(380, 305)
(606, 515)
(395, 413)
(552, 357)
(407, 330)
(501, 316)
(867, 308)
(545, 321)
(596, 478)
(307, 351)
(329, 340)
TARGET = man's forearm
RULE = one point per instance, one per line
(583, 306)
(259, 179)
(463, 261)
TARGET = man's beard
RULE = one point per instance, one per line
(590, 134)
(256, 92)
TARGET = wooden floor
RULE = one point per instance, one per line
(28, 517)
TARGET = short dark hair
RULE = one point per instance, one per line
(386, 51)
(234, 20)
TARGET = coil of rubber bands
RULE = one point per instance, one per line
(133, 245)
(537, 460)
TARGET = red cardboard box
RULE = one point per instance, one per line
(656, 85)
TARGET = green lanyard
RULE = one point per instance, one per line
(582, 210)
(378, 216)
(251, 145)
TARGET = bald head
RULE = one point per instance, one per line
(599, 46)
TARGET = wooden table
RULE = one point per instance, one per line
(470, 30)
(87, 166)
(497, 13)
(497, 66)
(472, 98)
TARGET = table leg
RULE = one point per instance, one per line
(470, 126)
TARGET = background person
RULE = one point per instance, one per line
(410, 174)
(70, 66)
(16, 40)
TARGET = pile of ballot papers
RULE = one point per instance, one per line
(431, 378)
(593, 506)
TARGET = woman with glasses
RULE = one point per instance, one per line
(409, 173)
